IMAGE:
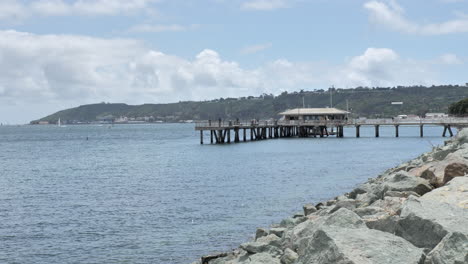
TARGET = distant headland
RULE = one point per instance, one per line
(363, 101)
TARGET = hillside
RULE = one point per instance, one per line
(368, 102)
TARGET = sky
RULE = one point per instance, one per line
(57, 54)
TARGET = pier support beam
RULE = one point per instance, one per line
(421, 130)
(397, 131)
(358, 132)
(211, 136)
(449, 129)
(377, 130)
(201, 137)
(245, 138)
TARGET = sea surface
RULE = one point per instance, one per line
(153, 194)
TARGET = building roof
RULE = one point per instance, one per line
(314, 111)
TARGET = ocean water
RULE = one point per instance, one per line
(153, 194)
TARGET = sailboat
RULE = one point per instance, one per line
(59, 124)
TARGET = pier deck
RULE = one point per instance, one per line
(220, 131)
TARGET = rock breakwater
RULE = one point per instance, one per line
(415, 213)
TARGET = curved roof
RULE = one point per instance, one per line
(314, 111)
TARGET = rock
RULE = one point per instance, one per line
(383, 222)
(309, 209)
(391, 205)
(369, 210)
(287, 223)
(289, 257)
(355, 246)
(453, 249)
(268, 243)
(440, 172)
(349, 204)
(453, 170)
(344, 218)
(261, 232)
(298, 214)
(341, 218)
(278, 231)
(405, 194)
(425, 221)
(262, 258)
(403, 181)
(208, 258)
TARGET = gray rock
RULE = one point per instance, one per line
(262, 258)
(349, 204)
(261, 232)
(298, 214)
(289, 257)
(425, 221)
(287, 223)
(369, 210)
(403, 181)
(453, 249)
(384, 222)
(344, 218)
(356, 245)
(268, 243)
(309, 209)
(391, 205)
(278, 231)
(405, 194)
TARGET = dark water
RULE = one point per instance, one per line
(152, 194)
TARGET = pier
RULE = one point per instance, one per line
(221, 131)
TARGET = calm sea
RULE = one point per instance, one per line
(152, 194)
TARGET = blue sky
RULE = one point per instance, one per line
(56, 54)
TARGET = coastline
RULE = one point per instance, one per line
(416, 212)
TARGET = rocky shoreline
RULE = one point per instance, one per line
(416, 213)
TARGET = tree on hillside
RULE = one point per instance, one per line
(459, 108)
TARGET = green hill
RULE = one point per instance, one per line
(368, 102)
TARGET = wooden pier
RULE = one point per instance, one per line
(237, 131)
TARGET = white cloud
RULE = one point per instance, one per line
(449, 59)
(264, 5)
(255, 48)
(383, 67)
(61, 69)
(392, 16)
(12, 10)
(15, 9)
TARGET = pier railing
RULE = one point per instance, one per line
(213, 124)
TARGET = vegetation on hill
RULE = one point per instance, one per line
(361, 101)
(459, 108)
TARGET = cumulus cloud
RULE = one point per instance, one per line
(383, 67)
(255, 48)
(264, 5)
(392, 16)
(16, 10)
(80, 69)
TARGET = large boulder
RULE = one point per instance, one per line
(438, 173)
(453, 249)
(425, 221)
(403, 181)
(340, 245)
(268, 243)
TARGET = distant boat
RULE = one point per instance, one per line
(59, 124)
